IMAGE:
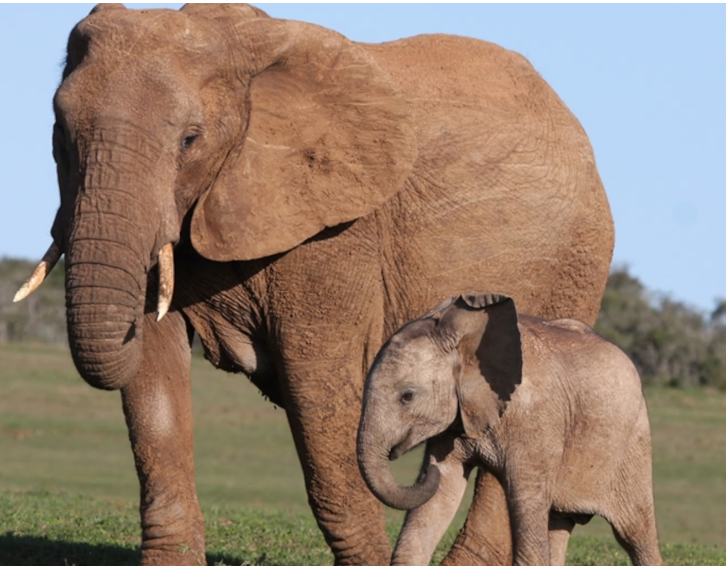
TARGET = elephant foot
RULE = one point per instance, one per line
(370, 557)
(173, 534)
(181, 555)
(476, 552)
(361, 544)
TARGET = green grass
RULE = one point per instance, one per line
(45, 529)
(68, 491)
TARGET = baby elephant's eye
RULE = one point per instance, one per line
(406, 397)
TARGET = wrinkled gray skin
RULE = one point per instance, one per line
(553, 410)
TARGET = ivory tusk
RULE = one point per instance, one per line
(45, 266)
(166, 280)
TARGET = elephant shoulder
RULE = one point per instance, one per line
(543, 337)
(573, 337)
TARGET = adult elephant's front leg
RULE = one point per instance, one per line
(157, 406)
(325, 318)
(324, 402)
(485, 539)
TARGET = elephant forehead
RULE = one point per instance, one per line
(120, 34)
(129, 61)
(411, 332)
(95, 91)
(405, 355)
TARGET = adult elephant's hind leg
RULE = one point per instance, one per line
(485, 539)
(157, 406)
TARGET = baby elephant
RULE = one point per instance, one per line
(550, 408)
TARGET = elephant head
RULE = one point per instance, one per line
(217, 125)
(458, 363)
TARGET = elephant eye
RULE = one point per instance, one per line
(406, 397)
(188, 141)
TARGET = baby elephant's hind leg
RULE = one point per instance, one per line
(632, 513)
(560, 528)
(638, 537)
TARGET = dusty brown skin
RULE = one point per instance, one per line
(550, 408)
(319, 193)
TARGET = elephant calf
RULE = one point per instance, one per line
(553, 410)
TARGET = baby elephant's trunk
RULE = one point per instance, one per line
(373, 463)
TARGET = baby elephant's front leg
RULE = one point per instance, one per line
(424, 526)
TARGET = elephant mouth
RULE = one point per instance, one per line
(406, 445)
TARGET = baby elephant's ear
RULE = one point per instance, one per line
(484, 330)
(439, 309)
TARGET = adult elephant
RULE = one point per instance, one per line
(303, 196)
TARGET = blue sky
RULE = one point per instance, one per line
(648, 83)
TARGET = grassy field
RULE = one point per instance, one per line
(68, 488)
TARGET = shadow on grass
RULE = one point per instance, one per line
(37, 551)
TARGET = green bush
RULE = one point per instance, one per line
(40, 318)
(669, 342)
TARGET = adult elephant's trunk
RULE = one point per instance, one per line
(105, 306)
(373, 458)
(108, 255)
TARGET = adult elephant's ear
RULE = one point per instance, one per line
(328, 140)
(484, 328)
